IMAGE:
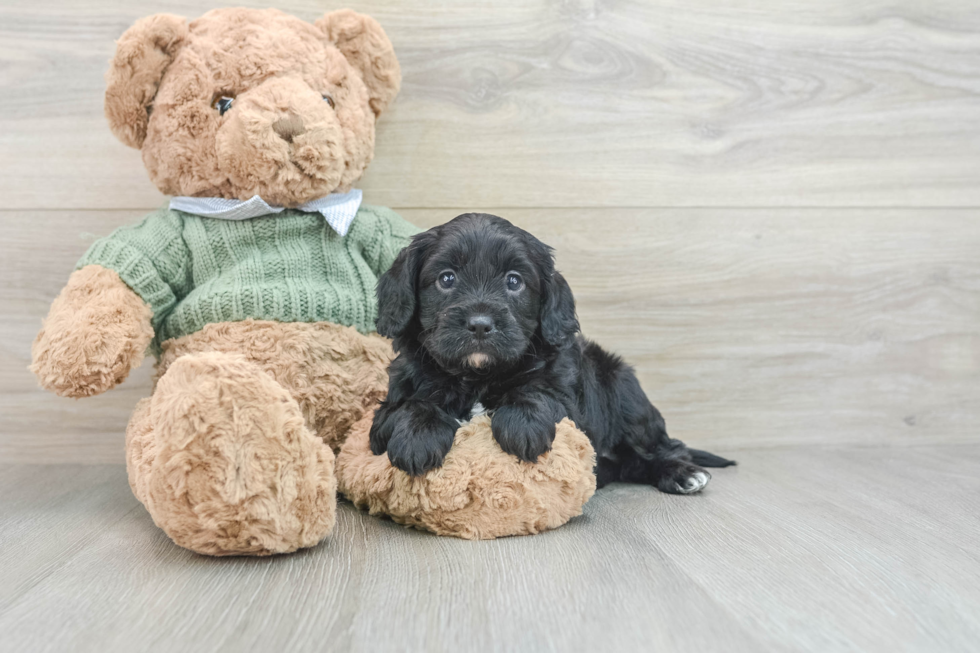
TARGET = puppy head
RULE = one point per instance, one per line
(476, 293)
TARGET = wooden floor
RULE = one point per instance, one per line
(801, 549)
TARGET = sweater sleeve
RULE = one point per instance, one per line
(393, 235)
(150, 257)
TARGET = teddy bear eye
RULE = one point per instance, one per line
(222, 104)
(329, 100)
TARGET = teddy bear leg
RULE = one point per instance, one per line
(333, 372)
(140, 448)
(224, 463)
(479, 492)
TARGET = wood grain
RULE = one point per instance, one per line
(747, 327)
(828, 338)
(575, 103)
(803, 549)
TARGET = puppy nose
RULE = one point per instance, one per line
(289, 126)
(480, 325)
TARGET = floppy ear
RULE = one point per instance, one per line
(558, 322)
(143, 53)
(557, 317)
(398, 287)
(367, 47)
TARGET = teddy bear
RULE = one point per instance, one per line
(255, 290)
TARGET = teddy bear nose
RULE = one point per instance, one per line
(289, 126)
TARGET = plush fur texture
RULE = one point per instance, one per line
(334, 373)
(233, 452)
(95, 333)
(479, 314)
(281, 138)
(479, 492)
(224, 462)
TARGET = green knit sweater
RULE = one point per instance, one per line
(291, 267)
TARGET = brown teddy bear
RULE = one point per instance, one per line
(255, 290)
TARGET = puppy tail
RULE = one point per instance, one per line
(706, 459)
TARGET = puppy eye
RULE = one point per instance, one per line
(514, 282)
(222, 103)
(447, 279)
(329, 100)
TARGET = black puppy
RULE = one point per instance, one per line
(481, 320)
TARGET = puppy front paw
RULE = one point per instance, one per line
(416, 435)
(417, 452)
(521, 433)
(381, 429)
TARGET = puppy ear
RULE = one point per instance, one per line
(558, 322)
(398, 287)
(367, 47)
(143, 53)
(557, 317)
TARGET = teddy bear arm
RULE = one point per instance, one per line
(96, 332)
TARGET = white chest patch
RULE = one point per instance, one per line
(475, 411)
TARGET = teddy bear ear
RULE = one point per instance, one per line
(367, 47)
(143, 53)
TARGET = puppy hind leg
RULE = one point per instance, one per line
(654, 458)
(673, 473)
(607, 470)
(680, 477)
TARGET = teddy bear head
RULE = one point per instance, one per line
(244, 102)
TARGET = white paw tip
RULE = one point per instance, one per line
(694, 483)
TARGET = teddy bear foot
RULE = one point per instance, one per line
(479, 492)
(223, 461)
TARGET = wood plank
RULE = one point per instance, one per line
(851, 549)
(802, 549)
(747, 327)
(372, 586)
(779, 327)
(524, 104)
(48, 515)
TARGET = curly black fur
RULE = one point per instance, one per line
(479, 314)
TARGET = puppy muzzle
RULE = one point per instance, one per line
(476, 337)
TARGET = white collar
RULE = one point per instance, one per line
(339, 209)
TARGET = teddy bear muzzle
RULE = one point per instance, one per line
(282, 141)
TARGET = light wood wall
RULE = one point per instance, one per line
(770, 209)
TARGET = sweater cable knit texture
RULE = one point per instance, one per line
(289, 267)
